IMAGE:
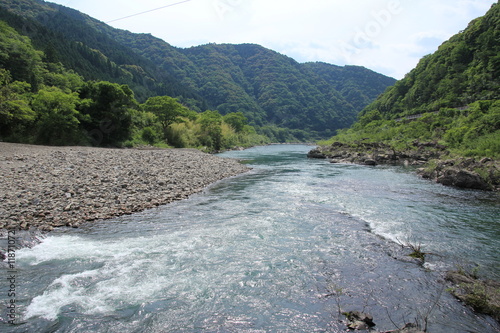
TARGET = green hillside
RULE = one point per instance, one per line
(255, 78)
(454, 92)
(64, 38)
(42, 102)
(269, 88)
(356, 84)
(284, 99)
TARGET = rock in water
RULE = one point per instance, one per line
(316, 153)
(463, 178)
(359, 320)
(408, 328)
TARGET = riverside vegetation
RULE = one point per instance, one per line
(44, 103)
(454, 93)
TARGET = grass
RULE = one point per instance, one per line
(416, 249)
(482, 295)
(417, 252)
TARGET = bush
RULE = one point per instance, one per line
(149, 135)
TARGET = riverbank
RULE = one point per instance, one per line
(432, 161)
(47, 187)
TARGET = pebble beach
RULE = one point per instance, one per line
(48, 187)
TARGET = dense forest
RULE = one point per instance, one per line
(281, 98)
(93, 55)
(454, 92)
(43, 102)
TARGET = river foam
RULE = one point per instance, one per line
(286, 247)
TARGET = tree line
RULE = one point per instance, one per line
(42, 102)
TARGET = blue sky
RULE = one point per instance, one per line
(388, 36)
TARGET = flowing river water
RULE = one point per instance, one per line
(286, 247)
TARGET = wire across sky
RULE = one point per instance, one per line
(148, 11)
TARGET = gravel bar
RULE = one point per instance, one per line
(47, 187)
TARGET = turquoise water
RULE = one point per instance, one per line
(283, 248)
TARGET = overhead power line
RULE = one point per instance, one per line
(149, 11)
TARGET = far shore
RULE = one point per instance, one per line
(432, 160)
(46, 187)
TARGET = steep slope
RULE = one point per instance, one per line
(257, 81)
(356, 84)
(463, 70)
(269, 87)
(444, 115)
(276, 83)
(69, 37)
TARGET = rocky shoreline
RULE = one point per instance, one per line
(480, 294)
(48, 187)
(432, 161)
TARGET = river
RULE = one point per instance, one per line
(286, 247)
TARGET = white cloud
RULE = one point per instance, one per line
(388, 36)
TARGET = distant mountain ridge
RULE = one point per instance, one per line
(269, 88)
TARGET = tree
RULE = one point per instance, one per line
(236, 120)
(15, 111)
(18, 55)
(166, 108)
(211, 122)
(58, 120)
(109, 108)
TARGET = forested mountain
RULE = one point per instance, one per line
(357, 84)
(463, 70)
(273, 91)
(455, 93)
(64, 37)
(268, 86)
(43, 102)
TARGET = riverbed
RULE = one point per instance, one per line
(286, 247)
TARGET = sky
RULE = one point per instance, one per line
(387, 36)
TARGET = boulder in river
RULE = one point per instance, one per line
(359, 321)
(316, 153)
(463, 178)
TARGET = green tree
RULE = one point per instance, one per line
(149, 135)
(211, 122)
(58, 76)
(110, 108)
(166, 109)
(19, 57)
(15, 111)
(58, 120)
(236, 120)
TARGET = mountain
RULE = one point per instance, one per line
(463, 70)
(356, 84)
(450, 99)
(64, 37)
(269, 86)
(266, 86)
(312, 99)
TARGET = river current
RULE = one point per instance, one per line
(286, 247)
